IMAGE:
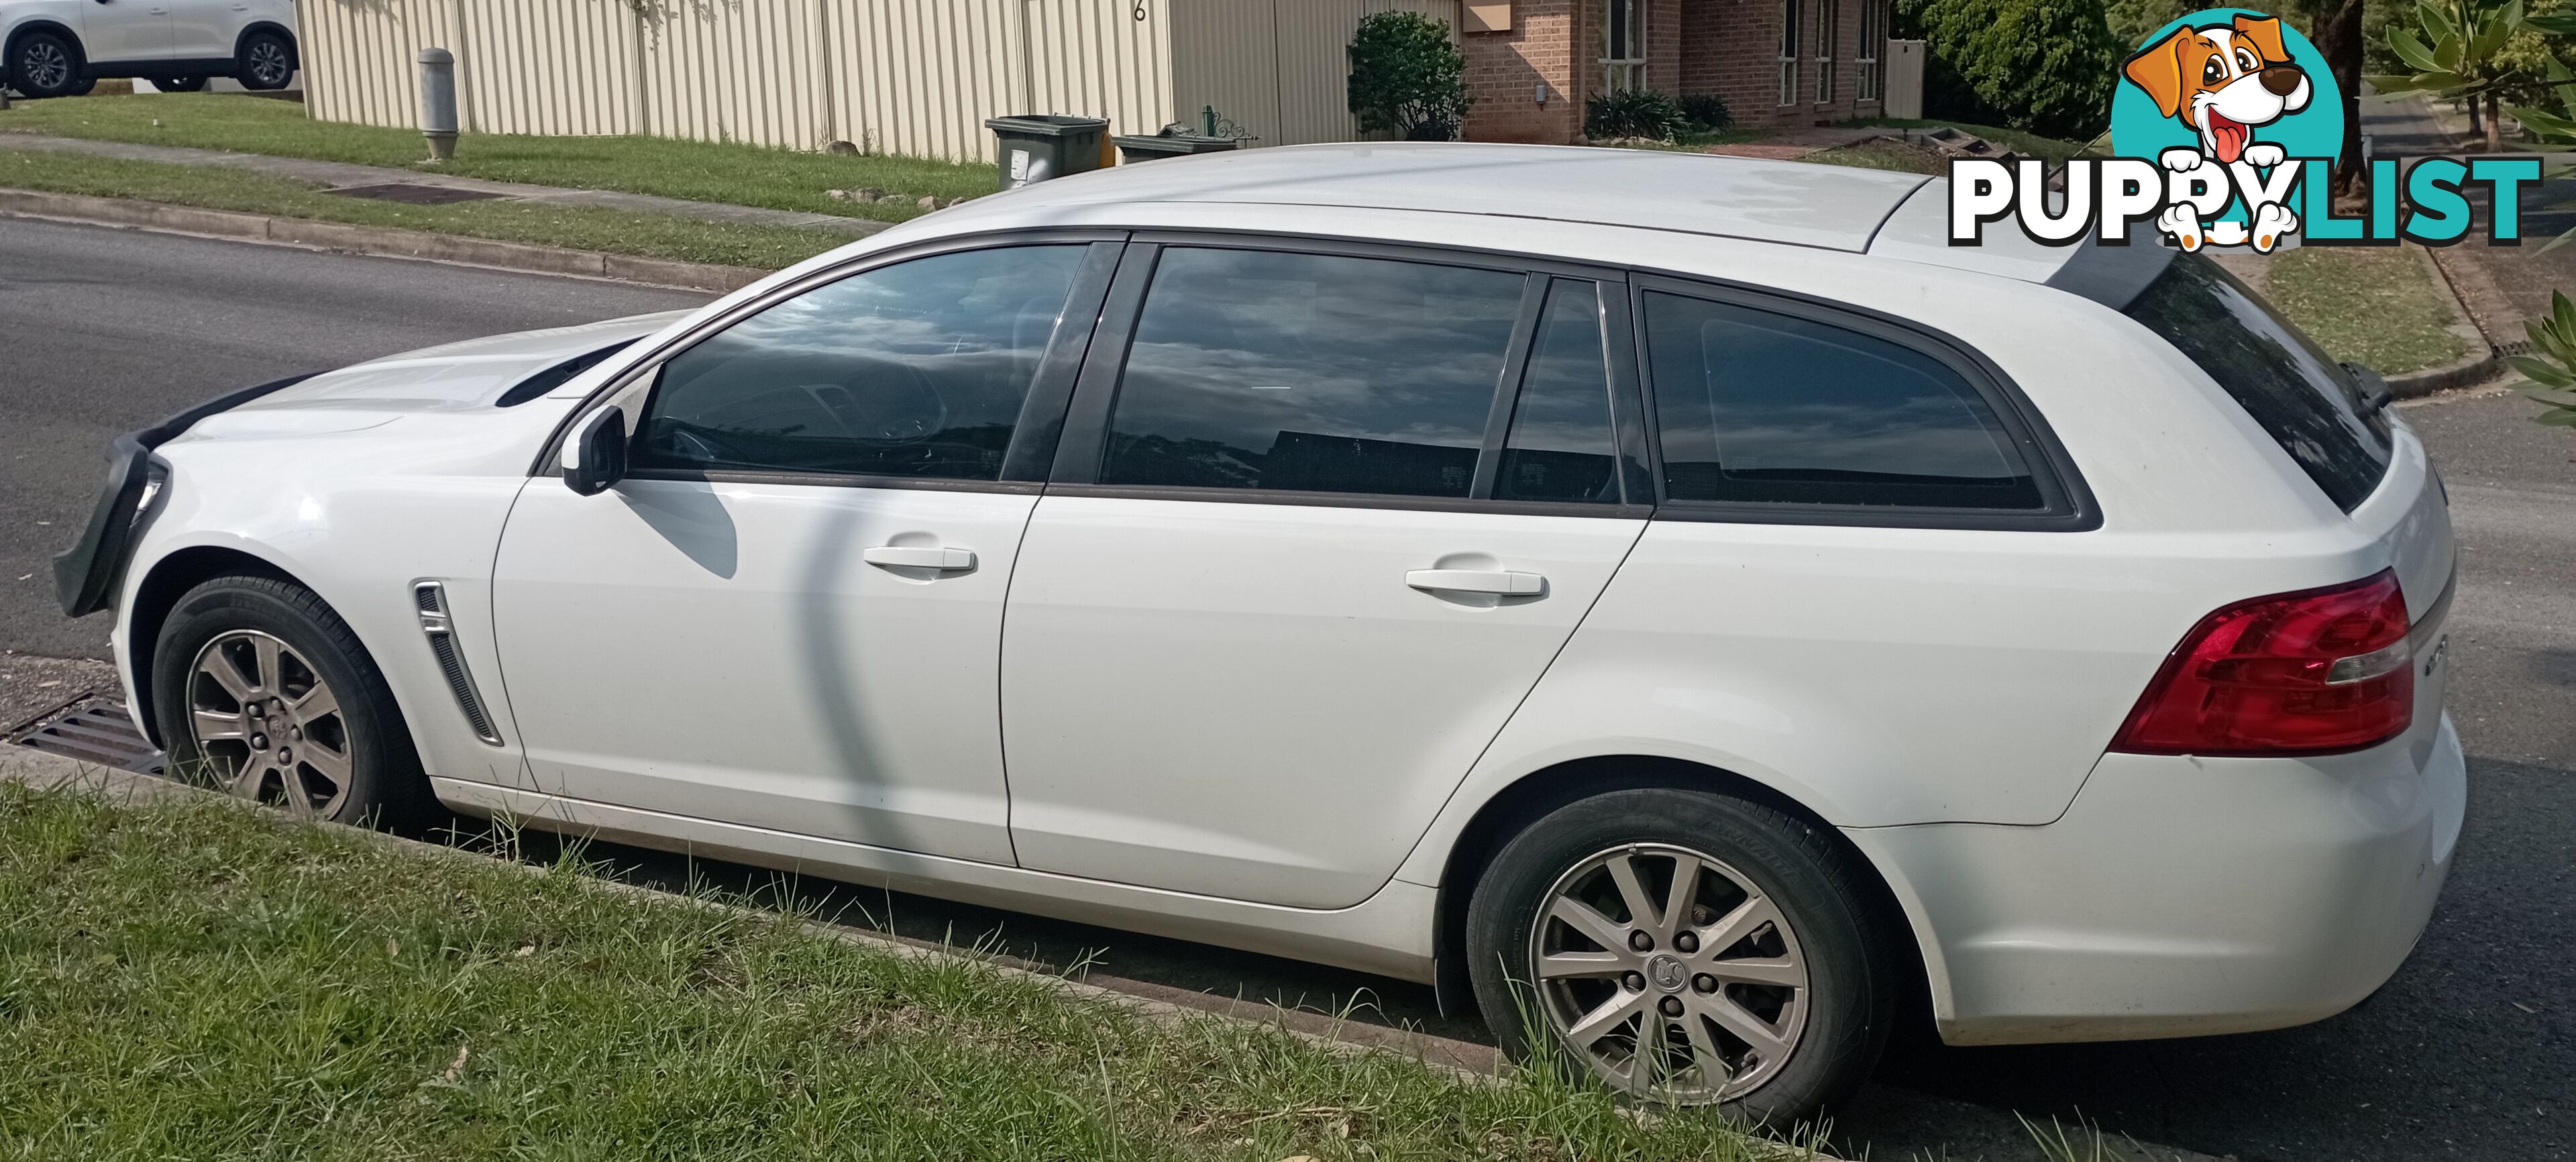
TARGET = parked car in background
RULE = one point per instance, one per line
(60, 48)
(1680, 604)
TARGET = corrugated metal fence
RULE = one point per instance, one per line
(895, 76)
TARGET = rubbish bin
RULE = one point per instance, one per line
(1039, 146)
(1136, 147)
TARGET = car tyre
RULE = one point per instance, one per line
(47, 64)
(177, 84)
(1704, 983)
(266, 62)
(260, 690)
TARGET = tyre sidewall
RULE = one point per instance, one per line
(242, 64)
(71, 86)
(1851, 1001)
(384, 773)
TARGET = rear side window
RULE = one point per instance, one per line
(2307, 402)
(1310, 373)
(1758, 407)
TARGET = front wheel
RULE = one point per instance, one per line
(262, 691)
(1685, 948)
(266, 63)
(43, 64)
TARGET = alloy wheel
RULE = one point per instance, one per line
(267, 725)
(269, 67)
(1669, 975)
(44, 66)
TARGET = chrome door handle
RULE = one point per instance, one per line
(918, 557)
(1502, 582)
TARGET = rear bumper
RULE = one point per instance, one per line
(2181, 896)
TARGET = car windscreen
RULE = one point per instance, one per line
(2306, 401)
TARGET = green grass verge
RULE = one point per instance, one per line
(202, 981)
(702, 171)
(2369, 304)
(2048, 148)
(578, 227)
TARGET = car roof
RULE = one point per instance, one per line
(1834, 207)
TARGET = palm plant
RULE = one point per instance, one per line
(2550, 370)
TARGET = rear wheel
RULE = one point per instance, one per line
(266, 62)
(263, 692)
(177, 84)
(45, 64)
(1684, 948)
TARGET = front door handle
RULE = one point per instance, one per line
(1502, 582)
(920, 557)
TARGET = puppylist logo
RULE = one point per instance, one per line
(2225, 126)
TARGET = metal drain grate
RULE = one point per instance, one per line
(416, 195)
(95, 732)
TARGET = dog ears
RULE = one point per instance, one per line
(2158, 69)
(2265, 32)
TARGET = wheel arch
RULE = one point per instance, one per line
(9, 44)
(171, 577)
(294, 47)
(1895, 915)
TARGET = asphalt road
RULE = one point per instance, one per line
(2469, 1053)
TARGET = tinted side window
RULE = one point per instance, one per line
(916, 369)
(1310, 372)
(2299, 395)
(1561, 447)
(1757, 406)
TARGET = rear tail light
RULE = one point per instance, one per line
(2298, 673)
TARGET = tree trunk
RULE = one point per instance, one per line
(2339, 40)
(2495, 128)
(2474, 128)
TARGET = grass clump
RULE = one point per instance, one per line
(2373, 305)
(704, 171)
(199, 980)
(578, 227)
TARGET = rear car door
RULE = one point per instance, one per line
(788, 615)
(1321, 518)
(205, 30)
(119, 32)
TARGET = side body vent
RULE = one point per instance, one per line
(430, 597)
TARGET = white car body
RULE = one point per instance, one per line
(1236, 723)
(150, 38)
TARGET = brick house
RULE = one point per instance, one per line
(1532, 63)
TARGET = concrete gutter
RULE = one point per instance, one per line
(383, 241)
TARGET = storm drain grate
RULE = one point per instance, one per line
(95, 732)
(416, 195)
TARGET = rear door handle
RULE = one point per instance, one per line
(1497, 581)
(918, 557)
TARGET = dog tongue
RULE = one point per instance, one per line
(2227, 135)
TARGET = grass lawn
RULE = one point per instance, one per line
(702, 171)
(2372, 305)
(198, 980)
(2048, 148)
(579, 227)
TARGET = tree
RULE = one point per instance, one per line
(2047, 66)
(2466, 49)
(1406, 76)
(2550, 370)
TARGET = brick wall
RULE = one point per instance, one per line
(1727, 47)
(1504, 70)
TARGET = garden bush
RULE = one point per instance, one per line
(1706, 112)
(1407, 77)
(1634, 113)
(2046, 66)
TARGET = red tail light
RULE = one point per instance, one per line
(2298, 673)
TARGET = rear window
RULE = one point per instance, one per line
(2307, 402)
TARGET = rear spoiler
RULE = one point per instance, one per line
(86, 576)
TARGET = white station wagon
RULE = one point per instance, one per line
(1680, 601)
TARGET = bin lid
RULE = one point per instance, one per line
(1046, 124)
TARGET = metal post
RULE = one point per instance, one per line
(438, 102)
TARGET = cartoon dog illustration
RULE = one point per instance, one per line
(2224, 81)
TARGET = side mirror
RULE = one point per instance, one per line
(594, 457)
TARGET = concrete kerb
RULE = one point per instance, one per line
(380, 241)
(2482, 363)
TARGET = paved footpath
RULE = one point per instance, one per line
(344, 175)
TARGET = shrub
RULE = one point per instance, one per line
(1406, 76)
(2046, 66)
(1634, 113)
(1706, 112)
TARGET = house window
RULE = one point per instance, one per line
(1873, 46)
(1828, 21)
(1789, 16)
(1623, 45)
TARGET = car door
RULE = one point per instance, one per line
(118, 32)
(1301, 556)
(787, 616)
(205, 30)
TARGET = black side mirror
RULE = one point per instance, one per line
(595, 455)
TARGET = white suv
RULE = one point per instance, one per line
(1677, 598)
(60, 48)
